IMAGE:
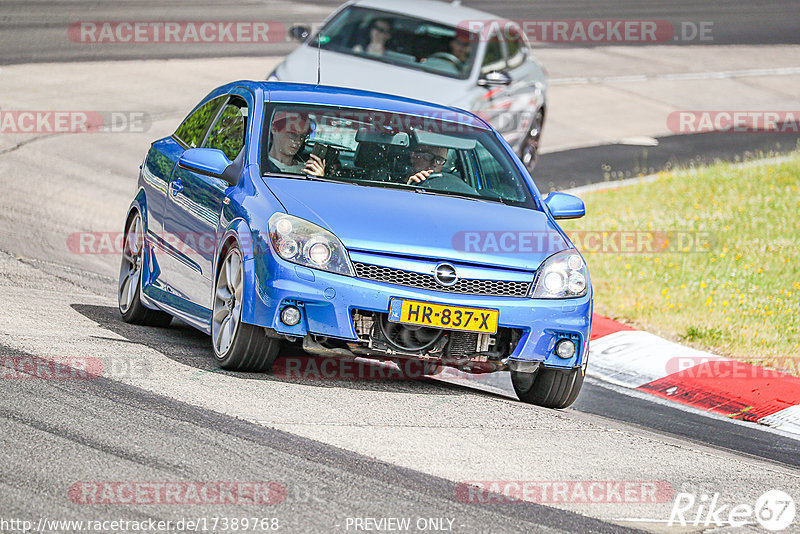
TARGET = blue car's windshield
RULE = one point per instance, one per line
(400, 40)
(382, 149)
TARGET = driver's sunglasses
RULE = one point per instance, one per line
(430, 158)
(382, 29)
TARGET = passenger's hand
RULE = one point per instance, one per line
(315, 166)
(420, 177)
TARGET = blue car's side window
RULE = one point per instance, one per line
(228, 132)
(193, 129)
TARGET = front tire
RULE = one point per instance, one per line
(130, 279)
(551, 388)
(237, 346)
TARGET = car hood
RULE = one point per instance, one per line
(406, 223)
(354, 72)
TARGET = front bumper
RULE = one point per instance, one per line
(327, 300)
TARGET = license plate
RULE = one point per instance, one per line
(443, 316)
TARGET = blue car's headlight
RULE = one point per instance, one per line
(561, 276)
(299, 241)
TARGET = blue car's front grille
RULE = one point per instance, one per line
(400, 277)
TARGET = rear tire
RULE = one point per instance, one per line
(551, 388)
(130, 279)
(237, 346)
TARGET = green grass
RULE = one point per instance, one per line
(735, 289)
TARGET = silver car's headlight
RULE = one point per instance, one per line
(562, 276)
(299, 241)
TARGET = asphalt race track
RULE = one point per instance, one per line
(333, 450)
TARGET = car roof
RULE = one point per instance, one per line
(304, 93)
(444, 12)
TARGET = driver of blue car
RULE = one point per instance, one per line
(289, 134)
(425, 160)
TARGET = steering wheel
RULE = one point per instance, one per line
(447, 56)
(445, 181)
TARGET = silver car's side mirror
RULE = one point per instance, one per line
(495, 78)
(300, 32)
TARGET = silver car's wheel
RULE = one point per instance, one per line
(238, 346)
(227, 302)
(529, 152)
(130, 278)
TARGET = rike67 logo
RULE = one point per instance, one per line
(774, 511)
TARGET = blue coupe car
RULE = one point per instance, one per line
(358, 225)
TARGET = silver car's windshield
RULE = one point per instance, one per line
(430, 155)
(400, 40)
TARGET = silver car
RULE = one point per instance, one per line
(432, 51)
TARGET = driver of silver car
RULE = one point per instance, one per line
(461, 47)
(425, 160)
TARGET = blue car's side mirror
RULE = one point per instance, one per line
(564, 206)
(207, 161)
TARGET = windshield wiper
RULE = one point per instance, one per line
(455, 195)
(302, 176)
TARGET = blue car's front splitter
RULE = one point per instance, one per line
(327, 302)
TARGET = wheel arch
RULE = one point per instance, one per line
(238, 232)
(139, 203)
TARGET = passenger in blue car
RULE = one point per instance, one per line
(425, 160)
(289, 133)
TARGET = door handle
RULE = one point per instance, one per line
(176, 187)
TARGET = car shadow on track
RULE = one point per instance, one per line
(186, 345)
